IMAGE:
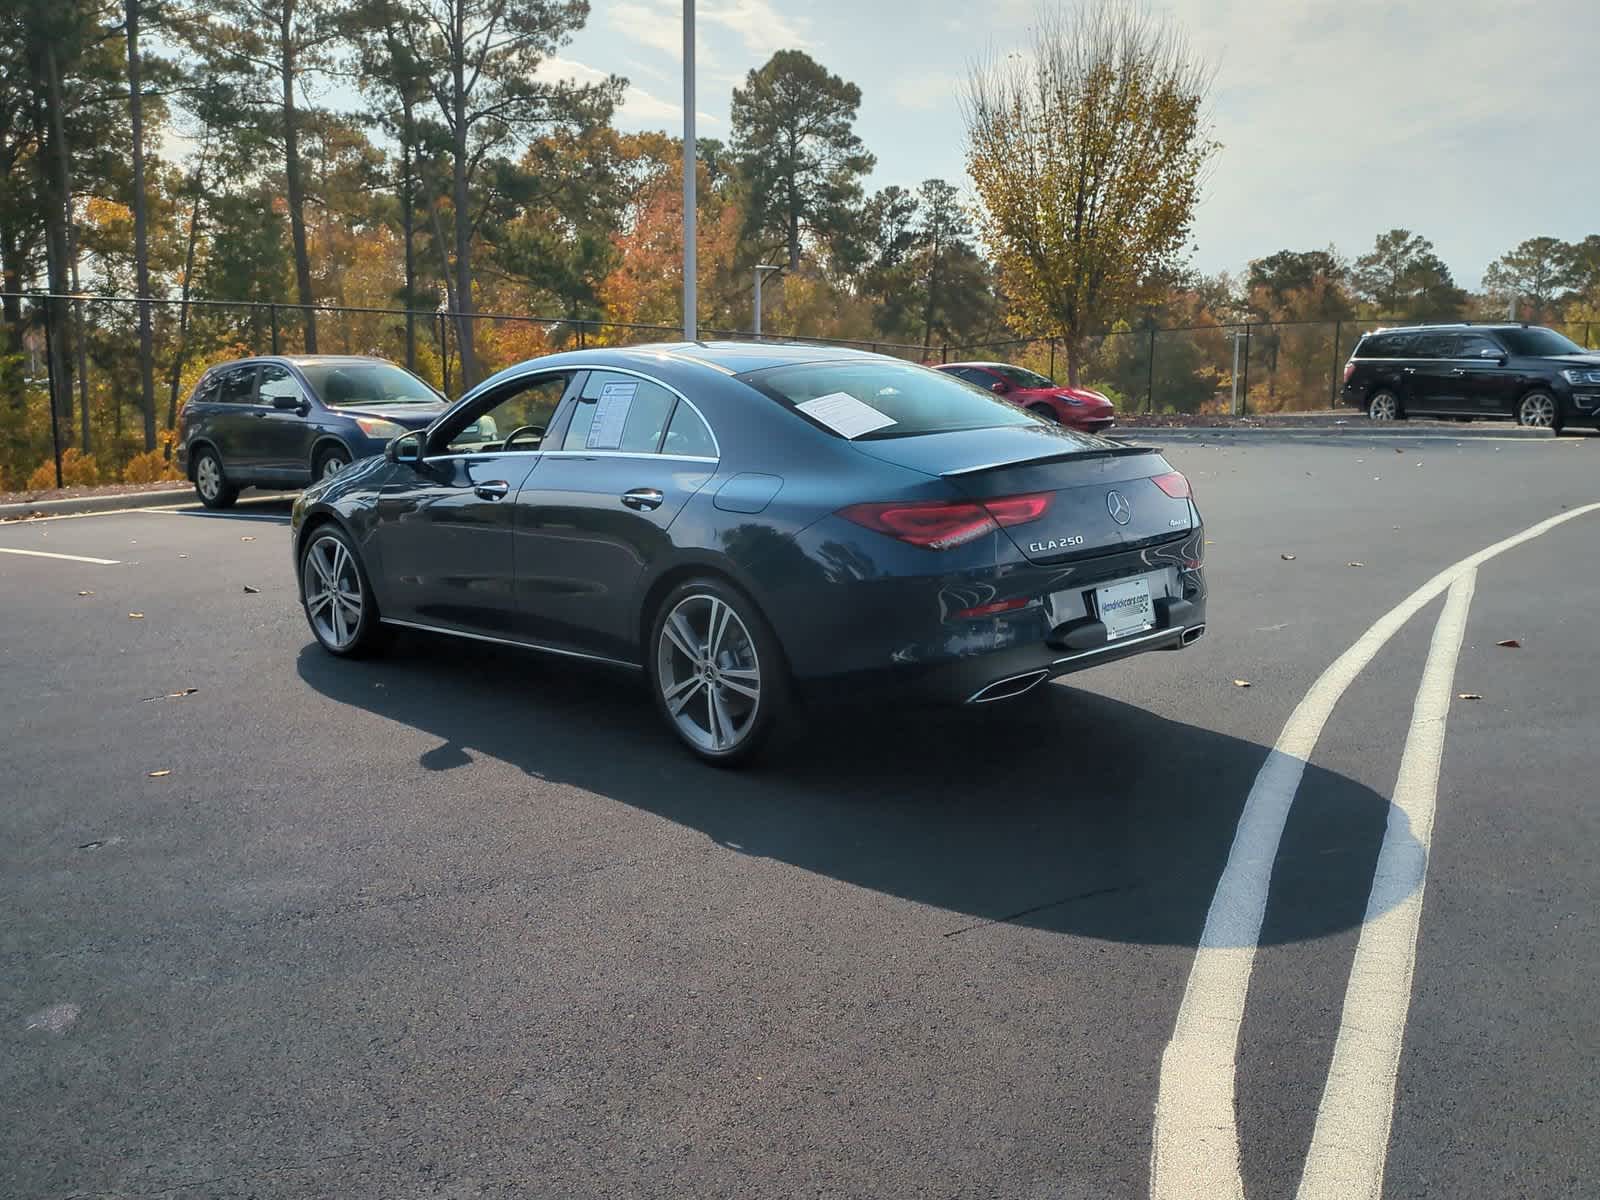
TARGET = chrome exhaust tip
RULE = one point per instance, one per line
(1192, 635)
(1005, 689)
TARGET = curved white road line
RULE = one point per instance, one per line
(1351, 1141)
(1195, 1151)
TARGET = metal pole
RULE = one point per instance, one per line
(50, 374)
(274, 309)
(1052, 360)
(944, 352)
(1233, 404)
(1333, 381)
(758, 305)
(1244, 393)
(1150, 378)
(444, 352)
(690, 158)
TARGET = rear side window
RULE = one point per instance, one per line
(875, 399)
(1383, 345)
(237, 385)
(619, 412)
(1433, 345)
(687, 434)
(209, 387)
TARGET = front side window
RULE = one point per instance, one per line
(873, 399)
(277, 381)
(1472, 345)
(512, 419)
(1022, 377)
(619, 412)
(342, 384)
(1539, 342)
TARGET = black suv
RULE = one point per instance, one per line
(1527, 372)
(284, 422)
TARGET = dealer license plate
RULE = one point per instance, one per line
(1125, 608)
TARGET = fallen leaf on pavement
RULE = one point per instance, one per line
(1399, 449)
(135, 616)
(247, 538)
(182, 694)
(1241, 683)
(159, 774)
(251, 591)
(1510, 644)
(85, 593)
(1469, 696)
(1354, 564)
(1287, 557)
(183, 556)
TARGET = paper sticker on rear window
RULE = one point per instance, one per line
(844, 414)
(610, 416)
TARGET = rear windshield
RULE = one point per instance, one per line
(1537, 341)
(341, 384)
(872, 399)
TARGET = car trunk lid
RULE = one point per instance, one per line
(1103, 495)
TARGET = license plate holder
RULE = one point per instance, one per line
(1125, 608)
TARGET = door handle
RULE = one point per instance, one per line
(642, 499)
(1458, 371)
(495, 489)
(1409, 370)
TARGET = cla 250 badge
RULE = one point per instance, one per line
(1055, 544)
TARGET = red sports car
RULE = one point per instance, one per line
(1078, 408)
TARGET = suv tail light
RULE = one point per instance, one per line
(1174, 484)
(945, 524)
(1349, 369)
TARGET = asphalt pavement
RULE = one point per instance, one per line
(466, 922)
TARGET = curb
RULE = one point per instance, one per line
(93, 504)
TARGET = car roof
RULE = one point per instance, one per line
(987, 366)
(1450, 325)
(738, 357)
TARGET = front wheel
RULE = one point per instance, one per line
(1045, 412)
(337, 596)
(329, 463)
(716, 671)
(1538, 410)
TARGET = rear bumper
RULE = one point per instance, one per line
(901, 639)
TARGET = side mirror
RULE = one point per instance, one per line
(291, 404)
(407, 448)
(999, 387)
(1497, 355)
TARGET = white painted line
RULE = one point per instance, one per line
(1195, 1151)
(1350, 1144)
(83, 558)
(282, 519)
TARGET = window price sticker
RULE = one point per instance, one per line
(610, 416)
(844, 414)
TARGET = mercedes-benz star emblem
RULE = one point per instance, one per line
(1119, 508)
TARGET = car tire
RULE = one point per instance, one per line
(337, 596)
(1384, 405)
(211, 482)
(709, 650)
(329, 461)
(1539, 410)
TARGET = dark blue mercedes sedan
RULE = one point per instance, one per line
(751, 525)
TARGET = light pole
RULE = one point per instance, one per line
(760, 271)
(691, 331)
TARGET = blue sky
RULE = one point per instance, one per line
(1470, 122)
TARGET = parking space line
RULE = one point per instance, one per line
(214, 516)
(83, 558)
(1350, 1144)
(1195, 1148)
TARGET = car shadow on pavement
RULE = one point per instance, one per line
(1065, 810)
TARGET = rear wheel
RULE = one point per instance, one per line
(717, 673)
(329, 463)
(1385, 406)
(1538, 410)
(337, 596)
(210, 484)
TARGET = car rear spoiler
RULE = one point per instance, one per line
(1065, 456)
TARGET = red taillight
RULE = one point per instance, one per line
(995, 606)
(944, 524)
(1349, 370)
(1174, 484)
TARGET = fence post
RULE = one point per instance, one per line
(54, 382)
(273, 308)
(1244, 392)
(444, 353)
(1052, 360)
(1333, 382)
(582, 344)
(944, 352)
(1150, 377)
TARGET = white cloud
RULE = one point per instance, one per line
(922, 93)
(657, 25)
(761, 27)
(638, 107)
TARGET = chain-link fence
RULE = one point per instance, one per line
(95, 432)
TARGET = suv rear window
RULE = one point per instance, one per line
(1383, 345)
(904, 400)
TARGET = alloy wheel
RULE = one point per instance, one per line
(331, 584)
(709, 673)
(332, 465)
(1537, 411)
(208, 476)
(1382, 408)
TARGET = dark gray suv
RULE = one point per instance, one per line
(1528, 373)
(281, 422)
